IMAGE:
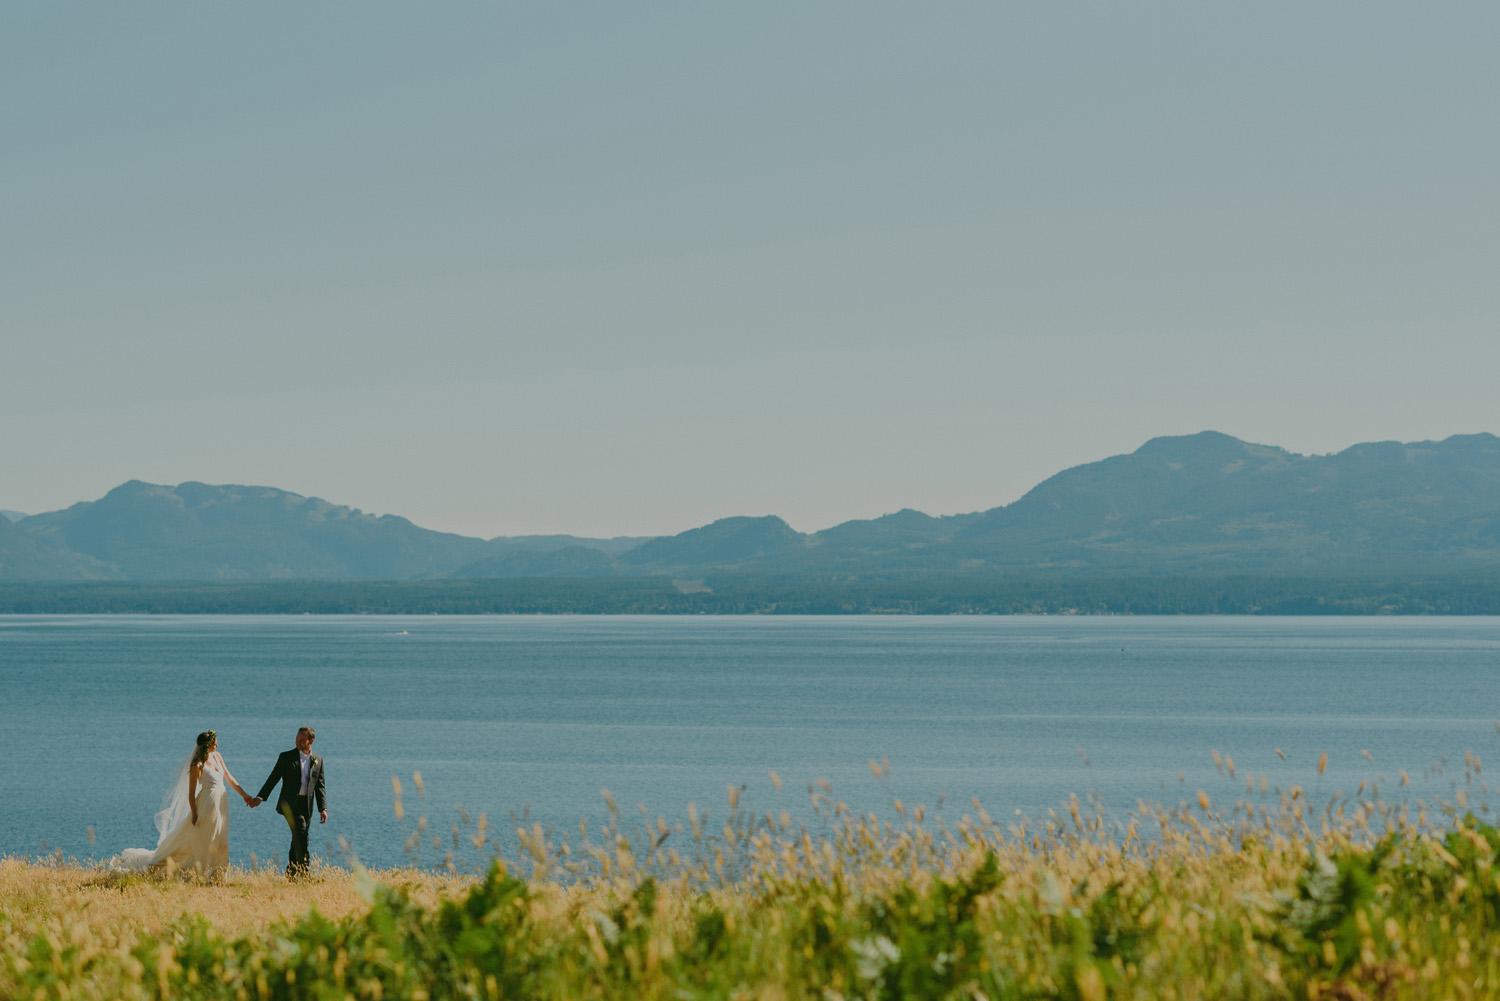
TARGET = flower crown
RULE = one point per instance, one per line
(210, 737)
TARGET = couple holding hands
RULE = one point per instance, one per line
(193, 822)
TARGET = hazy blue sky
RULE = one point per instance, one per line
(624, 268)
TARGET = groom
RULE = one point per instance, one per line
(300, 773)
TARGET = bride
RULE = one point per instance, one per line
(193, 823)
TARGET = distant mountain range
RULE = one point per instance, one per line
(1197, 504)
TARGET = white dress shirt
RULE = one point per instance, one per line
(306, 767)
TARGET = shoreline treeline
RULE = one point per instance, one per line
(744, 595)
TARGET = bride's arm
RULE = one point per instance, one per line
(193, 774)
(230, 778)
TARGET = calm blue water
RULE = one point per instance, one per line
(518, 715)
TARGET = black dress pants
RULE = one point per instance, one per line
(299, 820)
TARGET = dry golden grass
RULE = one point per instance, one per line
(1274, 898)
(83, 900)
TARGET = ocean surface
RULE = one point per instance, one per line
(526, 719)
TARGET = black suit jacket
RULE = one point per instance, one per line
(288, 772)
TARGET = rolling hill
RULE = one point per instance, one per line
(1205, 503)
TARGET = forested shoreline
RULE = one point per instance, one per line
(743, 595)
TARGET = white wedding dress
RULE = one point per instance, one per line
(183, 846)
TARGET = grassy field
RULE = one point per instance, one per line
(1268, 898)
